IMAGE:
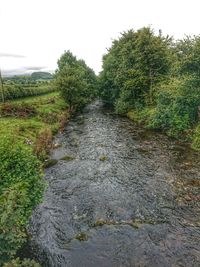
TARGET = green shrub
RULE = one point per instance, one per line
(21, 188)
(142, 116)
(177, 106)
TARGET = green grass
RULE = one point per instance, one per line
(36, 99)
(49, 109)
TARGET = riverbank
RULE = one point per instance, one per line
(27, 128)
(145, 117)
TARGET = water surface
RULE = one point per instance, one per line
(119, 196)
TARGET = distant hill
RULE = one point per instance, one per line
(41, 75)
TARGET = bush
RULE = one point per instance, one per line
(177, 106)
(21, 188)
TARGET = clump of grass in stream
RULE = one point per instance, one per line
(136, 223)
(103, 158)
(68, 158)
(82, 237)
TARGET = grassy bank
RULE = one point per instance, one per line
(26, 130)
(48, 114)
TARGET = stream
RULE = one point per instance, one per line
(119, 196)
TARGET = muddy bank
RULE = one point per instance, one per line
(118, 196)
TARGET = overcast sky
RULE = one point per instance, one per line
(34, 33)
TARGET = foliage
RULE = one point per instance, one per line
(21, 188)
(154, 80)
(177, 106)
(15, 91)
(188, 51)
(75, 80)
(134, 65)
(20, 176)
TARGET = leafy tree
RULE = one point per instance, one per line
(133, 67)
(76, 81)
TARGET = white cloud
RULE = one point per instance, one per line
(11, 55)
(42, 29)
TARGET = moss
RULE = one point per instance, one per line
(103, 222)
(103, 158)
(133, 223)
(68, 158)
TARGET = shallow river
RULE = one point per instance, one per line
(119, 196)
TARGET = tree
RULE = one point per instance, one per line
(75, 80)
(135, 64)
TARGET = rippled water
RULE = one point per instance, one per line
(121, 197)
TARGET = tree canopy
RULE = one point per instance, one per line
(75, 80)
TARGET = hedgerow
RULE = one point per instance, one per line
(20, 91)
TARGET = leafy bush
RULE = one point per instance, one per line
(21, 188)
(177, 110)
